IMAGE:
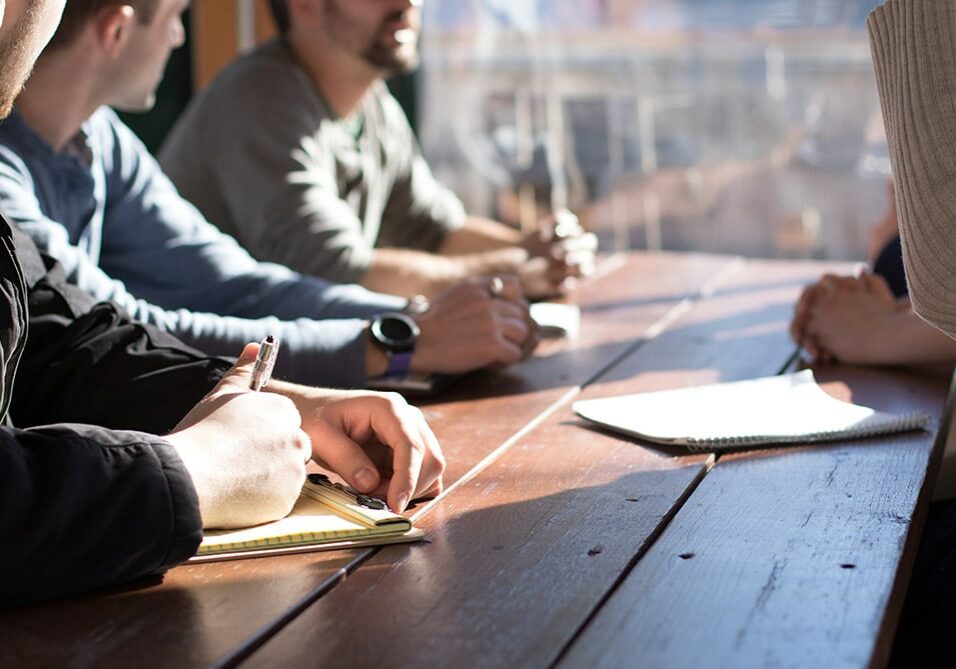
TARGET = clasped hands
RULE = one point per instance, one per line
(560, 252)
(846, 318)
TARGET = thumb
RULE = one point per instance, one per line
(240, 376)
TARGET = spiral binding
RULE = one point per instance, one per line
(914, 420)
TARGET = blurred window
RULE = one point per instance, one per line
(733, 126)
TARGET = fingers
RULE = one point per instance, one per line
(406, 470)
(567, 248)
(571, 258)
(825, 290)
(333, 446)
(877, 285)
(510, 289)
(515, 334)
(801, 312)
(532, 340)
(417, 463)
(514, 330)
(482, 322)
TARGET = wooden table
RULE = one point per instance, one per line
(559, 545)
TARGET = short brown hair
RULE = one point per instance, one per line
(78, 12)
(280, 14)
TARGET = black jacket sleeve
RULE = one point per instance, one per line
(84, 505)
(87, 362)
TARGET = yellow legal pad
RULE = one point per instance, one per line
(326, 516)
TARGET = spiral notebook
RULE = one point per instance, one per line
(326, 516)
(785, 409)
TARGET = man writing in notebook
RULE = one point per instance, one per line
(84, 187)
(89, 494)
(299, 152)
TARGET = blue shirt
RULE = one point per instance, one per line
(122, 232)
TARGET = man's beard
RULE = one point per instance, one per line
(379, 54)
(16, 59)
(393, 60)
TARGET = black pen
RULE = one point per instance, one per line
(265, 361)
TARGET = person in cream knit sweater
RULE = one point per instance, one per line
(914, 56)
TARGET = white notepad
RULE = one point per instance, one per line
(786, 409)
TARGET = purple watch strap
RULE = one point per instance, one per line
(399, 363)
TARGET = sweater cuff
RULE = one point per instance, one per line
(185, 532)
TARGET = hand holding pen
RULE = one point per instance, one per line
(351, 434)
(245, 451)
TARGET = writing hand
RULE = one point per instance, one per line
(245, 451)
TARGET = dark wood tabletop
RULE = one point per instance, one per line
(555, 544)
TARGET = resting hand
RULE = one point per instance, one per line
(467, 328)
(559, 252)
(244, 451)
(379, 444)
(852, 320)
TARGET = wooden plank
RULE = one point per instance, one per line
(523, 554)
(226, 606)
(727, 337)
(785, 557)
(189, 618)
(485, 410)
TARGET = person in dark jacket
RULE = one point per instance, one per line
(90, 495)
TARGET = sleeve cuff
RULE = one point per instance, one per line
(185, 532)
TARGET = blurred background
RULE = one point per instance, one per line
(731, 126)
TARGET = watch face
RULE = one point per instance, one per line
(395, 332)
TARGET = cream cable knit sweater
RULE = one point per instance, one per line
(914, 54)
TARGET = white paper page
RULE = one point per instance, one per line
(557, 319)
(779, 407)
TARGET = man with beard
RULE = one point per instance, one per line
(299, 152)
(89, 494)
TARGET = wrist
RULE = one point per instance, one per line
(188, 448)
(395, 335)
(376, 362)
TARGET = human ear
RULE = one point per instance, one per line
(113, 27)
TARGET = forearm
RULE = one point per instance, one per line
(477, 235)
(909, 340)
(324, 353)
(405, 272)
(915, 62)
